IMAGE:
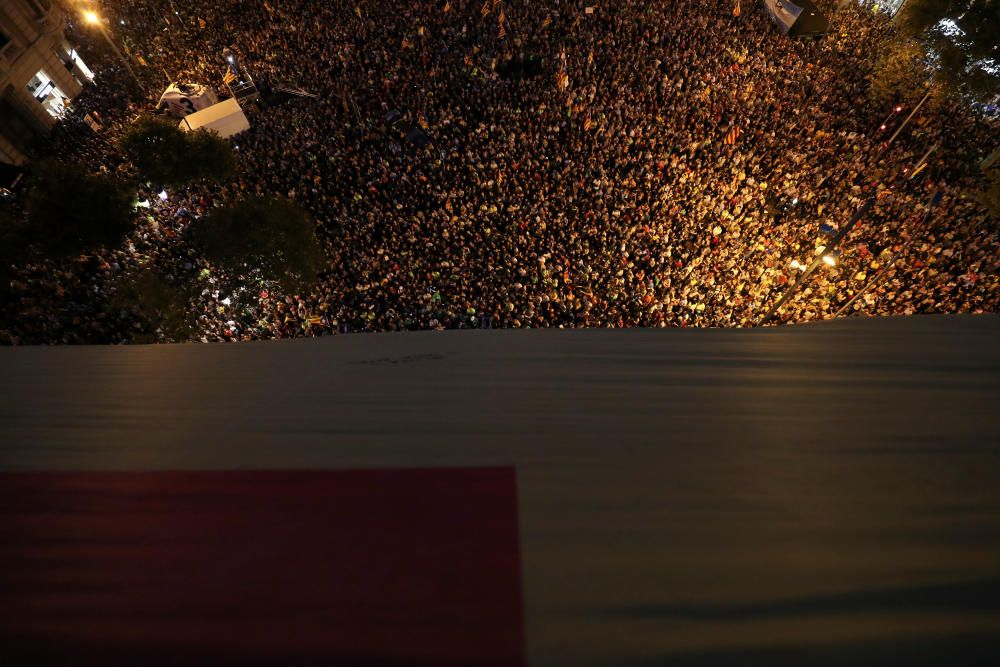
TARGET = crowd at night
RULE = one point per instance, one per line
(646, 165)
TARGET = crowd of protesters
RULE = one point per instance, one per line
(646, 164)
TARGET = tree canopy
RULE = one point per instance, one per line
(160, 306)
(71, 211)
(165, 155)
(963, 38)
(266, 239)
(12, 239)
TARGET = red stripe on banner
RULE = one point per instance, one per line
(261, 568)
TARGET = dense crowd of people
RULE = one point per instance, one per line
(647, 164)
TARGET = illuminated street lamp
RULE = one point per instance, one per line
(826, 253)
(92, 18)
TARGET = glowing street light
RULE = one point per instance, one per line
(830, 259)
(90, 17)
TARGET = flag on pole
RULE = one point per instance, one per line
(229, 76)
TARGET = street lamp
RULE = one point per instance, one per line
(92, 18)
(828, 251)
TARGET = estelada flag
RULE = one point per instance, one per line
(229, 76)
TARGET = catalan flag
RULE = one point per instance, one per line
(447, 7)
(562, 80)
(486, 8)
(501, 18)
(202, 24)
(357, 10)
(732, 136)
(736, 9)
(229, 76)
(547, 22)
(502, 33)
(587, 123)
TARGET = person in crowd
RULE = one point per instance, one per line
(666, 165)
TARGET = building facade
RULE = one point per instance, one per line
(40, 73)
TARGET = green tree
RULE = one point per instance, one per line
(165, 155)
(962, 35)
(262, 239)
(900, 74)
(160, 306)
(990, 196)
(157, 148)
(212, 155)
(12, 249)
(71, 211)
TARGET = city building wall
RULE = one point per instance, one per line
(31, 41)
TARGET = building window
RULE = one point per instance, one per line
(40, 7)
(43, 89)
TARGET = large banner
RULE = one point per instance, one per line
(182, 99)
(784, 14)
